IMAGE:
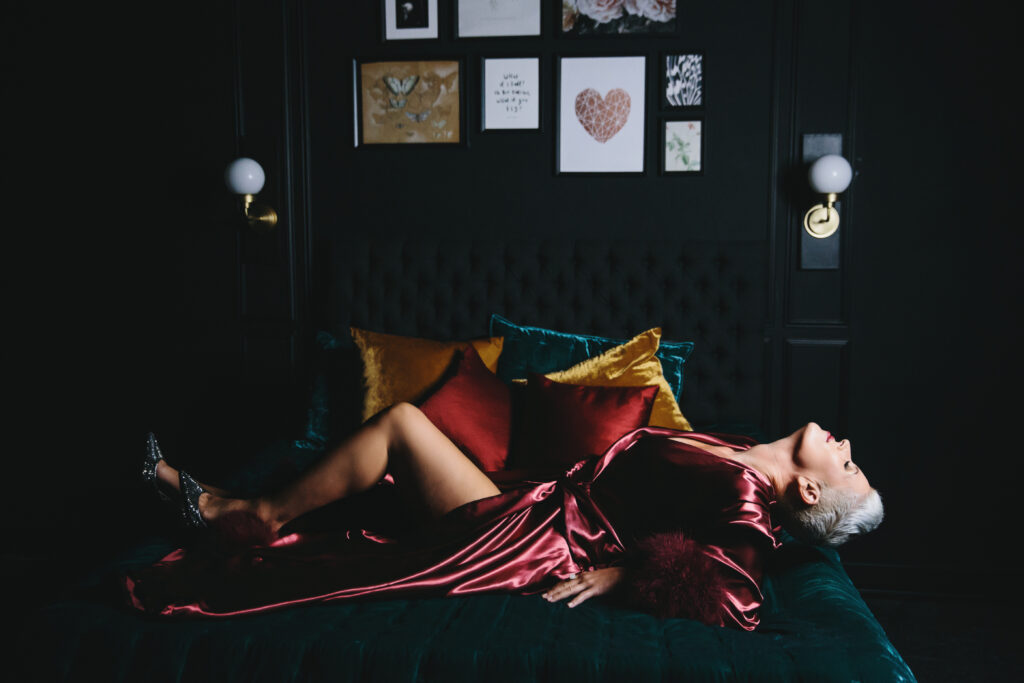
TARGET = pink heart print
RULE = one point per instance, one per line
(602, 118)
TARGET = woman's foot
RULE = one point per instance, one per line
(208, 506)
(149, 464)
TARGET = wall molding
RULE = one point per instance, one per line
(807, 308)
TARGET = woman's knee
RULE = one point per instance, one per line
(404, 411)
(402, 416)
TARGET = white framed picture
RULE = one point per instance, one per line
(484, 18)
(409, 19)
(601, 114)
(682, 146)
(511, 93)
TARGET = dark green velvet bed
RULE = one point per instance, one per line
(815, 627)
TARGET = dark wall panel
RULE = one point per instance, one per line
(815, 295)
(808, 331)
(936, 303)
(817, 371)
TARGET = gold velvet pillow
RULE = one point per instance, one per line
(631, 364)
(398, 368)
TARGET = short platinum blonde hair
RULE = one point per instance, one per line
(839, 514)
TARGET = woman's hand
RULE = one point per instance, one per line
(586, 585)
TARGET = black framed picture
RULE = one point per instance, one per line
(497, 18)
(683, 145)
(510, 93)
(409, 19)
(600, 120)
(409, 102)
(603, 18)
(682, 80)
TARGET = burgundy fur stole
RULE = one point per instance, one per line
(671, 577)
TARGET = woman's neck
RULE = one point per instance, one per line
(773, 460)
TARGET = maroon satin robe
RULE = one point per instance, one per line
(523, 540)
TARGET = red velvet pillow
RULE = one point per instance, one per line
(562, 424)
(473, 409)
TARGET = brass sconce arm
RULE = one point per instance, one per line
(259, 216)
(821, 220)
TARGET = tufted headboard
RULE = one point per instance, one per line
(711, 293)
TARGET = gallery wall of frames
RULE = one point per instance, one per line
(547, 118)
(599, 101)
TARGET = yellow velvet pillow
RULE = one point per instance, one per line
(631, 364)
(398, 368)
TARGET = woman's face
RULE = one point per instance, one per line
(822, 457)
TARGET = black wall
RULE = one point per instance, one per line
(138, 302)
(936, 290)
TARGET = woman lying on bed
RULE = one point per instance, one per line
(674, 523)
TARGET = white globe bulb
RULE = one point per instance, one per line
(830, 173)
(244, 176)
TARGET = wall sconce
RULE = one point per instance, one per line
(245, 176)
(829, 175)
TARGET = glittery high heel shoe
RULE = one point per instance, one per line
(152, 459)
(190, 492)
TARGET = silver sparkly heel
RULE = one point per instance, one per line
(190, 492)
(153, 458)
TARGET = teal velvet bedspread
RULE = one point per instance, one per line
(815, 627)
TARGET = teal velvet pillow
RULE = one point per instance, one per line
(336, 390)
(541, 350)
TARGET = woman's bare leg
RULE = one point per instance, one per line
(169, 477)
(421, 458)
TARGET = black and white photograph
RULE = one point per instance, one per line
(412, 14)
(409, 19)
(682, 81)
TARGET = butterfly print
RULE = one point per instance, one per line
(400, 87)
